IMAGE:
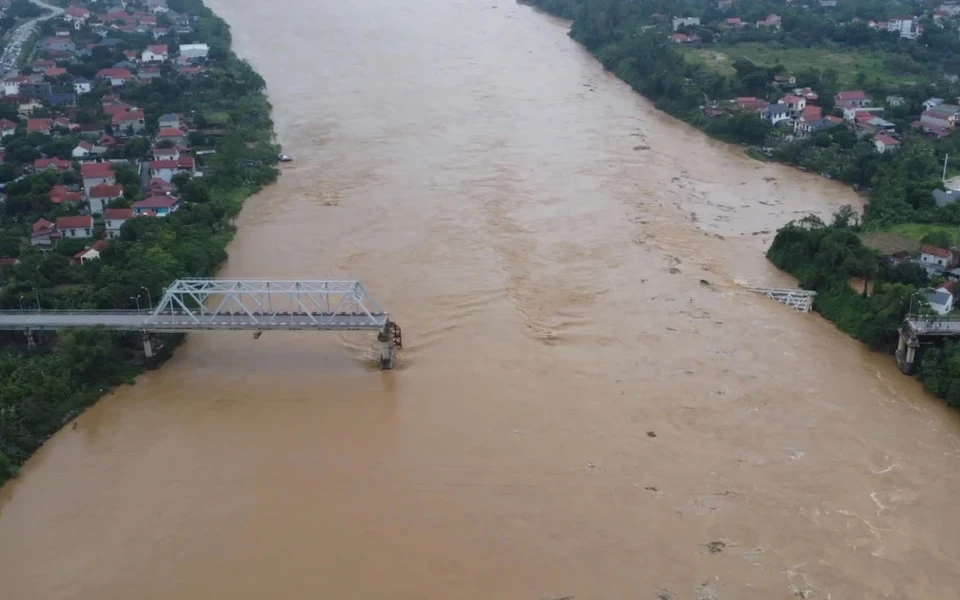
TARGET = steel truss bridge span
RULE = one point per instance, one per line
(192, 305)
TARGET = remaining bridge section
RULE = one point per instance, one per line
(916, 327)
(190, 305)
(801, 300)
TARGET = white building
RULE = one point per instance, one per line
(776, 113)
(201, 50)
(907, 27)
(679, 22)
(82, 85)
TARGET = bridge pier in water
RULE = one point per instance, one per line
(907, 350)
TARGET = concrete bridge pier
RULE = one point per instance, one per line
(151, 346)
(907, 351)
(31, 342)
(388, 350)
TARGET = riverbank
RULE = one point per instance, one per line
(43, 390)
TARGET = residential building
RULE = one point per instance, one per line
(796, 104)
(101, 195)
(808, 94)
(55, 44)
(941, 299)
(168, 121)
(60, 194)
(80, 226)
(84, 149)
(678, 22)
(175, 136)
(749, 103)
(164, 169)
(159, 205)
(811, 114)
(157, 6)
(116, 77)
(95, 174)
(772, 21)
(851, 99)
(43, 164)
(676, 38)
(202, 50)
(11, 85)
(936, 257)
(155, 53)
(172, 153)
(884, 142)
(7, 127)
(90, 253)
(128, 123)
(906, 27)
(114, 218)
(781, 80)
(148, 73)
(82, 85)
(944, 197)
(932, 102)
(76, 15)
(44, 234)
(733, 23)
(895, 101)
(776, 113)
(940, 117)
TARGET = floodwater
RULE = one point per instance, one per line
(575, 413)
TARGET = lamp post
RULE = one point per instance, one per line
(149, 298)
(137, 300)
(21, 304)
(38, 299)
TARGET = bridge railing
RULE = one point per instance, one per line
(72, 311)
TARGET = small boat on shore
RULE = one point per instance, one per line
(285, 158)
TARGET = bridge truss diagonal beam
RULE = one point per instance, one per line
(268, 304)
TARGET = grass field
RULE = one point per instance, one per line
(847, 64)
(916, 231)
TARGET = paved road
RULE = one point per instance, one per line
(8, 61)
(131, 320)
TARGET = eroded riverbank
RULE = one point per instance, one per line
(477, 170)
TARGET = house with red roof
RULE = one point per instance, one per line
(80, 226)
(159, 32)
(114, 218)
(164, 169)
(851, 99)
(128, 123)
(43, 64)
(751, 104)
(159, 187)
(796, 104)
(772, 21)
(884, 142)
(168, 134)
(53, 72)
(39, 125)
(155, 53)
(676, 38)
(42, 164)
(101, 195)
(116, 76)
(44, 234)
(95, 174)
(733, 23)
(76, 15)
(7, 127)
(84, 149)
(89, 253)
(161, 205)
(166, 153)
(115, 108)
(7, 262)
(60, 194)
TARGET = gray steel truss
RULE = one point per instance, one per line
(229, 304)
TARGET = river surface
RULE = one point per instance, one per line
(575, 413)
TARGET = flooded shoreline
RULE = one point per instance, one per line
(547, 276)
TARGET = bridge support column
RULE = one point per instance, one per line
(149, 351)
(907, 351)
(388, 350)
(31, 342)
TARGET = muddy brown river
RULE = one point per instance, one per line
(575, 413)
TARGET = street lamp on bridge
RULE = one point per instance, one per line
(149, 299)
(137, 299)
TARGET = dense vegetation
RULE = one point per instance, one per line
(832, 260)
(41, 390)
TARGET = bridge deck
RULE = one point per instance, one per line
(183, 323)
(936, 327)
